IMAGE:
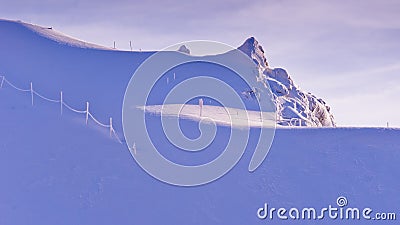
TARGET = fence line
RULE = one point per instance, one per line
(291, 122)
(62, 104)
(99, 123)
(12, 85)
(45, 98)
(72, 109)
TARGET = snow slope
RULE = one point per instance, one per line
(57, 170)
(83, 74)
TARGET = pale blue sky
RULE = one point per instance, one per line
(346, 52)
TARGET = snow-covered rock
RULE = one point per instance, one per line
(184, 49)
(294, 106)
(251, 48)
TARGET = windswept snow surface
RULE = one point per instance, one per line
(223, 116)
(50, 33)
(57, 170)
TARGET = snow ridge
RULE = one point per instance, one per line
(50, 33)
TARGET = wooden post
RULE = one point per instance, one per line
(2, 81)
(87, 112)
(32, 93)
(61, 102)
(114, 44)
(201, 107)
(111, 127)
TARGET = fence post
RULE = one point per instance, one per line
(111, 127)
(61, 101)
(32, 93)
(201, 107)
(87, 112)
(2, 81)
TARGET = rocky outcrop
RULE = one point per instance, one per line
(295, 107)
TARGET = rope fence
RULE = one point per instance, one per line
(89, 115)
(62, 103)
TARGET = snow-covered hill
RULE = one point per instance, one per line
(294, 106)
(55, 169)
